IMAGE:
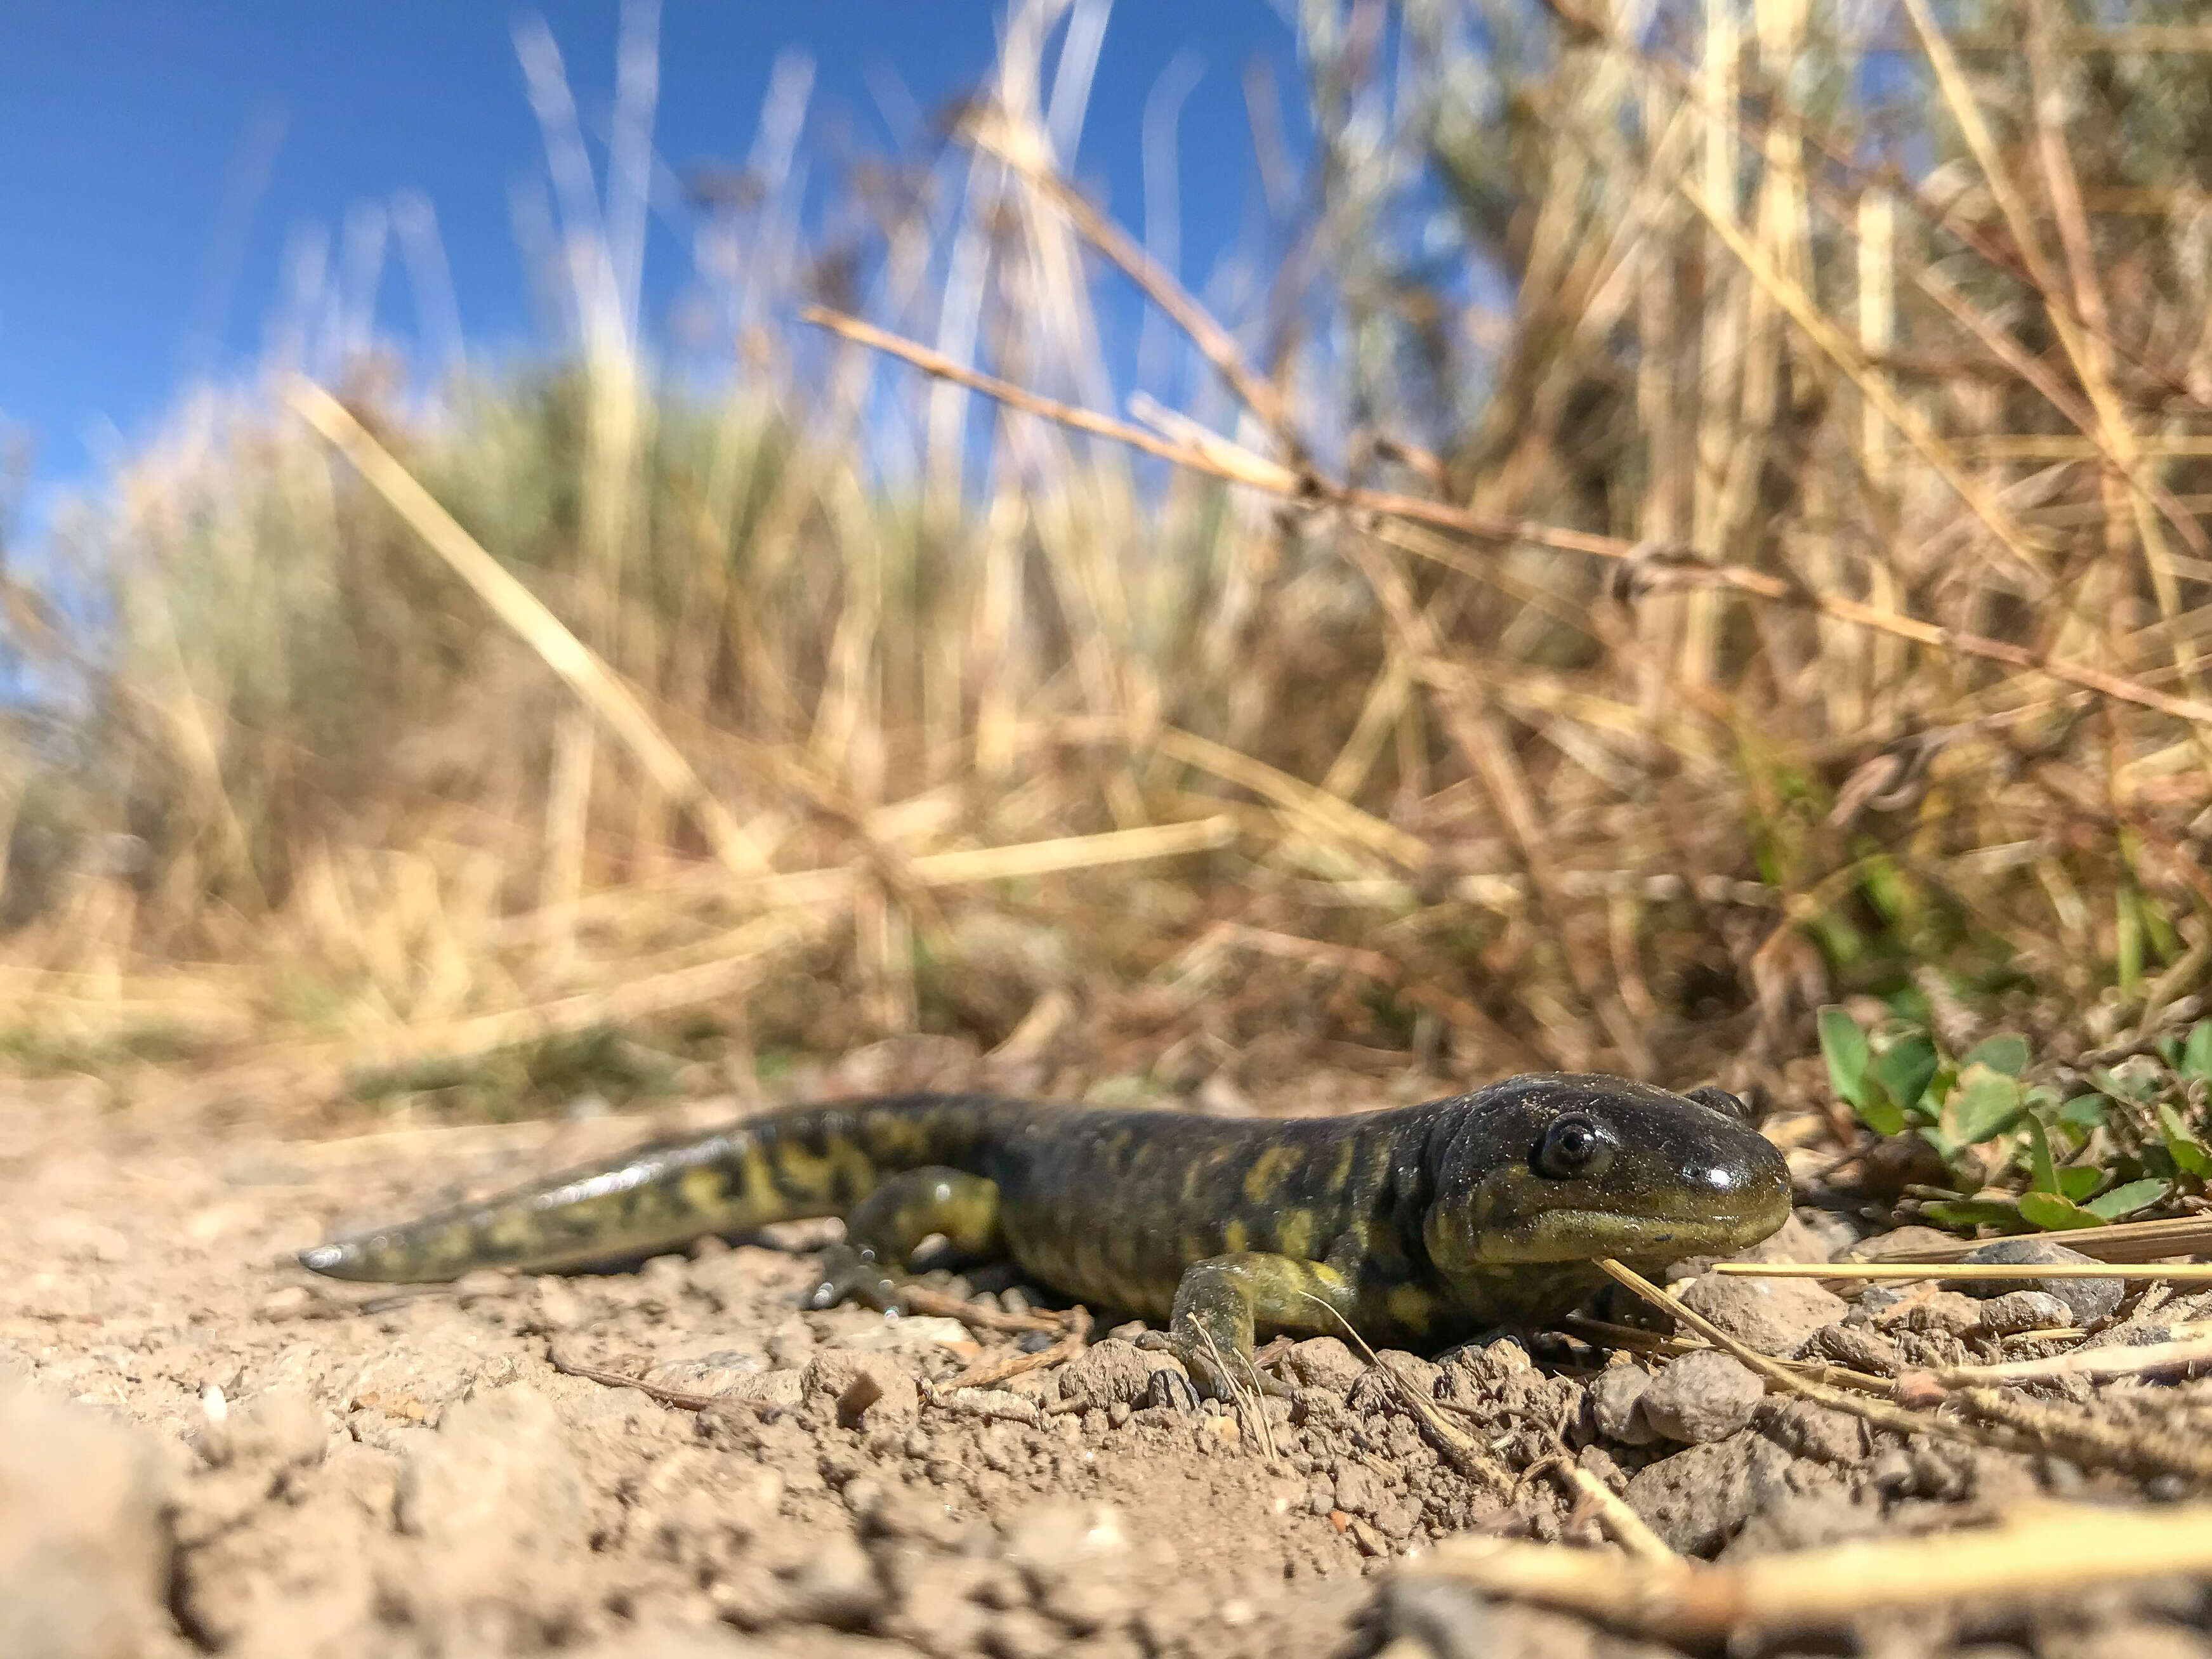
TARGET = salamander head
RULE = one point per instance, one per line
(1565, 1167)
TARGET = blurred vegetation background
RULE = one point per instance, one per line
(1682, 513)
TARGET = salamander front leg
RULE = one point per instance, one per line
(1225, 1299)
(889, 1224)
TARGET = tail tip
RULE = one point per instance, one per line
(325, 1259)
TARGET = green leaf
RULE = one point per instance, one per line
(1904, 1070)
(1986, 1103)
(2054, 1214)
(2083, 1112)
(1844, 1046)
(2042, 1177)
(1968, 1212)
(2004, 1052)
(2187, 1151)
(2127, 1198)
(2078, 1184)
(2197, 1053)
(2129, 1084)
(1881, 1114)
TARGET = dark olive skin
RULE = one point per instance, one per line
(1415, 1227)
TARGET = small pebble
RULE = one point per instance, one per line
(1616, 1402)
(2024, 1310)
(1701, 1398)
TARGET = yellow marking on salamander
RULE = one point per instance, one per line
(1294, 1232)
(1266, 1171)
(1342, 1174)
(1411, 1306)
(700, 1188)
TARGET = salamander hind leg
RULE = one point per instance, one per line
(886, 1227)
(1224, 1300)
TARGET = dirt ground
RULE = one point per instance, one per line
(202, 1451)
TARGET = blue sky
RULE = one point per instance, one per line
(156, 161)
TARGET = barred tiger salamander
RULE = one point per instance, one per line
(1418, 1226)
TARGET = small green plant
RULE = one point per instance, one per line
(2023, 1153)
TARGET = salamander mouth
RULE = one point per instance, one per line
(1725, 1223)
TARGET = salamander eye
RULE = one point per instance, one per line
(1721, 1101)
(1573, 1148)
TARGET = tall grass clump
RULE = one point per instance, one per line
(1682, 513)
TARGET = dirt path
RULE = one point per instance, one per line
(308, 1473)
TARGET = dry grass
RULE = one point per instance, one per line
(1793, 590)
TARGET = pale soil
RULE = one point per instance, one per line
(316, 1472)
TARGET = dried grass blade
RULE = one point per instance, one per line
(2038, 1549)
(523, 611)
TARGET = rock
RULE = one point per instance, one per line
(1702, 1397)
(499, 1504)
(2088, 1301)
(715, 1371)
(913, 1334)
(766, 1388)
(1854, 1347)
(1774, 1315)
(1874, 1302)
(1616, 1404)
(864, 1388)
(84, 1547)
(1697, 1499)
(1322, 1362)
(2024, 1310)
(1944, 1311)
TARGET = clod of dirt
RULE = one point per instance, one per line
(1773, 1316)
(501, 1510)
(1111, 1372)
(1702, 1397)
(2088, 1300)
(873, 1387)
(1854, 1346)
(1941, 1313)
(1322, 1362)
(1617, 1404)
(84, 1544)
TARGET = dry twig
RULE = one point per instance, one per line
(2038, 1550)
